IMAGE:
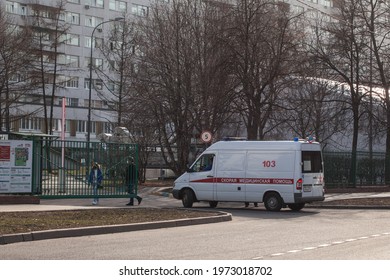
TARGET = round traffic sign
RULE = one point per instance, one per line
(206, 136)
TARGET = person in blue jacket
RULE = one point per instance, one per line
(95, 179)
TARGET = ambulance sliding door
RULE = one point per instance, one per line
(230, 176)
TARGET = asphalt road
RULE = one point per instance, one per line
(254, 234)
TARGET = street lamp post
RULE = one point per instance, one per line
(90, 77)
(90, 88)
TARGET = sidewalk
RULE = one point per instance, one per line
(152, 197)
(339, 196)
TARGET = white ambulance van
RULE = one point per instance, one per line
(277, 173)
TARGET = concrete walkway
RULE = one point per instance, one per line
(152, 197)
(339, 196)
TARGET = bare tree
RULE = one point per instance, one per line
(341, 47)
(141, 124)
(15, 79)
(375, 14)
(120, 51)
(264, 44)
(182, 77)
(314, 107)
(50, 32)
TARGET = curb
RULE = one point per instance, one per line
(19, 199)
(362, 207)
(96, 230)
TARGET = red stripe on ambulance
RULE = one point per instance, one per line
(260, 181)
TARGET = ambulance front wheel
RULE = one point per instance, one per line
(188, 198)
(273, 201)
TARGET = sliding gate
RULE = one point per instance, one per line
(61, 169)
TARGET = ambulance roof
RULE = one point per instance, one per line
(264, 145)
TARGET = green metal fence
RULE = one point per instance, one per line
(370, 169)
(61, 169)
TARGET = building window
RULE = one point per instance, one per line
(57, 124)
(68, 82)
(73, 18)
(93, 127)
(72, 83)
(120, 6)
(96, 62)
(69, 60)
(140, 10)
(112, 65)
(91, 21)
(30, 123)
(23, 10)
(95, 3)
(72, 60)
(297, 9)
(74, 1)
(98, 84)
(17, 77)
(15, 8)
(86, 84)
(96, 42)
(111, 86)
(328, 3)
(82, 126)
(11, 7)
(96, 104)
(71, 39)
(87, 42)
(72, 102)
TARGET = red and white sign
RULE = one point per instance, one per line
(206, 137)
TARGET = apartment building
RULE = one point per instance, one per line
(82, 17)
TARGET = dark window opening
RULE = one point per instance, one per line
(311, 162)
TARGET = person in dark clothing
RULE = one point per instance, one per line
(130, 177)
(131, 202)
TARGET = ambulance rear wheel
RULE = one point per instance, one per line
(296, 206)
(273, 202)
(213, 204)
(187, 198)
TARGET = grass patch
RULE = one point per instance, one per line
(23, 222)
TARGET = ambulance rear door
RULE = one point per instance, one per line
(312, 172)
